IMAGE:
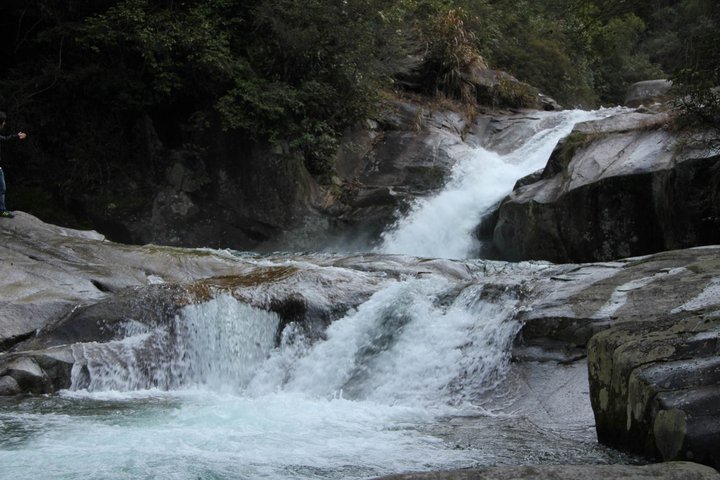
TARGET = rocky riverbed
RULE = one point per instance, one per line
(648, 327)
(623, 337)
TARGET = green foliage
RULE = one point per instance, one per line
(83, 74)
(318, 143)
(162, 53)
(316, 64)
(618, 63)
(453, 56)
(451, 53)
(284, 71)
(539, 43)
(697, 79)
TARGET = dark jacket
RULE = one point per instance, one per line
(5, 138)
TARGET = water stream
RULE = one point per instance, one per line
(441, 226)
(417, 377)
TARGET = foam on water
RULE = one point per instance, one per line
(194, 434)
(216, 345)
(403, 347)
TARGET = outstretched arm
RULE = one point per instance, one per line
(17, 136)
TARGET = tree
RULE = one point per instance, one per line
(697, 79)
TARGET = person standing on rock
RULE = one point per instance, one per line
(4, 212)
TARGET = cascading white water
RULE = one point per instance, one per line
(442, 226)
(211, 395)
(402, 346)
(217, 345)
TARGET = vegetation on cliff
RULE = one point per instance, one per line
(97, 84)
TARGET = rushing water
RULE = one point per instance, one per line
(442, 226)
(223, 403)
(418, 377)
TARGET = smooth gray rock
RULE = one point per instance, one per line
(654, 386)
(650, 327)
(9, 386)
(648, 92)
(618, 187)
(48, 271)
(28, 375)
(655, 374)
(663, 471)
(38, 372)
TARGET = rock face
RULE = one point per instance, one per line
(667, 471)
(263, 198)
(408, 154)
(648, 93)
(614, 188)
(655, 387)
(651, 326)
(655, 375)
(48, 271)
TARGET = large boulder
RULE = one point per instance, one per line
(655, 374)
(655, 387)
(648, 93)
(39, 372)
(649, 327)
(47, 272)
(614, 188)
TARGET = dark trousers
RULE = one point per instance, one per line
(2, 191)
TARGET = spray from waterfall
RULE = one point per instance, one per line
(216, 345)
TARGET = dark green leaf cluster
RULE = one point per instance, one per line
(291, 72)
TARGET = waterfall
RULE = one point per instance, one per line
(404, 346)
(442, 226)
(216, 345)
(413, 372)
(407, 344)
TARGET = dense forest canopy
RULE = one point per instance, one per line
(79, 74)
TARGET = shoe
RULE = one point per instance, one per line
(7, 214)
